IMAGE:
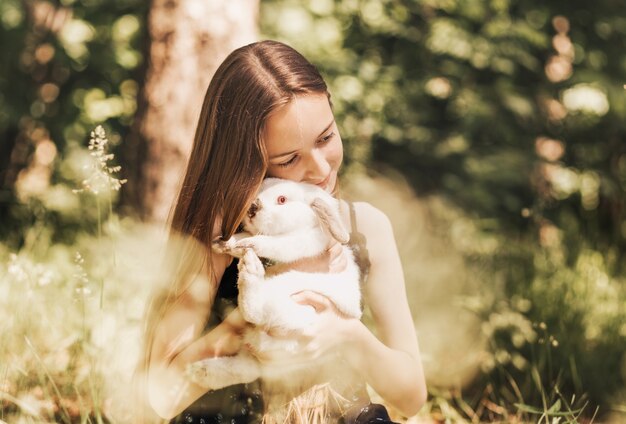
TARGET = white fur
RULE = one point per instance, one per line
(293, 221)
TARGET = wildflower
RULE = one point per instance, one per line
(23, 270)
(16, 269)
(101, 176)
(44, 276)
(80, 276)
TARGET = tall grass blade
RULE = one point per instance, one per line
(45, 369)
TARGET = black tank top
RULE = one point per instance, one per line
(238, 404)
(243, 403)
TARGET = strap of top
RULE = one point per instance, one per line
(358, 244)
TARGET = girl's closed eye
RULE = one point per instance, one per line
(289, 162)
(326, 138)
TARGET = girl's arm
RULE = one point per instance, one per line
(179, 341)
(391, 362)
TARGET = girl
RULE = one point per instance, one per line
(267, 112)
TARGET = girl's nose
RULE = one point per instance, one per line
(318, 167)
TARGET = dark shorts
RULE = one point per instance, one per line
(370, 413)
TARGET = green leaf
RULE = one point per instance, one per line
(556, 407)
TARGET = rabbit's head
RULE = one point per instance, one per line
(283, 206)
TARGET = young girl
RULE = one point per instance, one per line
(267, 112)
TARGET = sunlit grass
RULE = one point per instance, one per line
(67, 355)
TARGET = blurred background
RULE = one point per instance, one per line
(492, 132)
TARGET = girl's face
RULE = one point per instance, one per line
(303, 143)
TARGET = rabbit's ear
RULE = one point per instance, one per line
(329, 216)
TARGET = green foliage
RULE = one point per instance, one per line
(562, 332)
(70, 310)
(66, 68)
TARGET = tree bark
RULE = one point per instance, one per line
(188, 39)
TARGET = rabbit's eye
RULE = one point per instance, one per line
(281, 200)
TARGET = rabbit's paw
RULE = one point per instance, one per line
(263, 246)
(248, 243)
(199, 373)
(250, 264)
(215, 373)
(228, 247)
(219, 245)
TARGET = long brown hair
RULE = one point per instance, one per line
(228, 160)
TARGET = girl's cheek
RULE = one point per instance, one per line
(338, 155)
(287, 173)
(273, 172)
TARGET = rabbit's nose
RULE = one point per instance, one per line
(254, 208)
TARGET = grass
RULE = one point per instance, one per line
(67, 356)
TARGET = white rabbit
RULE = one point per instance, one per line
(287, 221)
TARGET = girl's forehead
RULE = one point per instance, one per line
(298, 122)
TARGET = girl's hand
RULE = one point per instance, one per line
(330, 334)
(225, 339)
(337, 260)
(331, 330)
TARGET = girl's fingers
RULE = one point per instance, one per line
(235, 320)
(281, 333)
(337, 260)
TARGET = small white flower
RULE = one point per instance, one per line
(101, 177)
(81, 289)
(16, 269)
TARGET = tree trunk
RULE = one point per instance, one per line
(188, 41)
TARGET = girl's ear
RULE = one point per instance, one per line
(329, 216)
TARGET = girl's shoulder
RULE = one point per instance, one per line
(364, 217)
(369, 214)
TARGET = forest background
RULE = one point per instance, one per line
(492, 132)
